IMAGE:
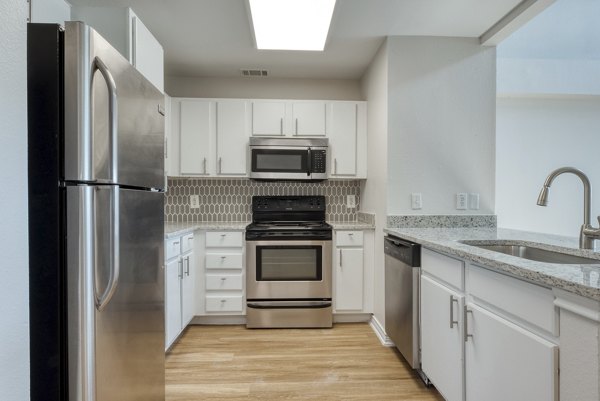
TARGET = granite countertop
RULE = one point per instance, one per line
(177, 229)
(581, 279)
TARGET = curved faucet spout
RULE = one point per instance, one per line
(588, 233)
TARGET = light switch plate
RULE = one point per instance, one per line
(416, 201)
(194, 202)
(461, 201)
(351, 201)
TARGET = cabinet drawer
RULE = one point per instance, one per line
(224, 261)
(224, 239)
(230, 303)
(530, 302)
(172, 248)
(187, 242)
(349, 238)
(223, 281)
(448, 269)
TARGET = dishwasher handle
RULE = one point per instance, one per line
(407, 252)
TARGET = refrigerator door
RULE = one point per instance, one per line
(114, 117)
(116, 337)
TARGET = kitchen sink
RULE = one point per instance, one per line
(533, 253)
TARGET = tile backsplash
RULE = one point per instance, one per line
(230, 199)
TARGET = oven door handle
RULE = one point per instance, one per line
(289, 305)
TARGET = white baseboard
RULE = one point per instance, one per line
(219, 320)
(351, 317)
(380, 332)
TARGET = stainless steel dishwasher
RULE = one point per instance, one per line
(402, 320)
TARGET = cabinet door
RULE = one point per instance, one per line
(441, 338)
(195, 127)
(172, 301)
(232, 137)
(308, 118)
(268, 118)
(342, 134)
(349, 279)
(187, 288)
(147, 53)
(506, 362)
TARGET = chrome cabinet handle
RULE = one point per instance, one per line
(296, 127)
(176, 243)
(452, 321)
(220, 166)
(223, 257)
(180, 268)
(340, 257)
(187, 264)
(334, 165)
(114, 259)
(223, 278)
(113, 142)
(350, 234)
(204, 164)
(466, 313)
(281, 126)
(223, 235)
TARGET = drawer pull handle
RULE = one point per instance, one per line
(223, 235)
(223, 257)
(223, 300)
(176, 243)
(351, 234)
(223, 278)
(190, 238)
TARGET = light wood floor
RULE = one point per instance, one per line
(234, 363)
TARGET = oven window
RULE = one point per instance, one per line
(284, 161)
(288, 263)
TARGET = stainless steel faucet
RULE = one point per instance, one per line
(588, 233)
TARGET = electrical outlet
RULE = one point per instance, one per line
(351, 201)
(461, 201)
(474, 201)
(194, 202)
(416, 201)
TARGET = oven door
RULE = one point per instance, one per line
(294, 269)
(283, 163)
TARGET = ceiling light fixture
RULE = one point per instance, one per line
(291, 24)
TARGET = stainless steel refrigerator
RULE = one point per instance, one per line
(96, 229)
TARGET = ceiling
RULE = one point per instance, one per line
(214, 37)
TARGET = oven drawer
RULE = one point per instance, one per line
(223, 281)
(224, 261)
(224, 239)
(228, 303)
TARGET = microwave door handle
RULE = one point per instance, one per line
(309, 162)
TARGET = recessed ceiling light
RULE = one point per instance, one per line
(291, 24)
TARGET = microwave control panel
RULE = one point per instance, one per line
(318, 162)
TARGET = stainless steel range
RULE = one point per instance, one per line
(288, 253)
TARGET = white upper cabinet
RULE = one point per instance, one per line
(268, 118)
(196, 125)
(347, 133)
(122, 28)
(232, 137)
(308, 119)
(146, 53)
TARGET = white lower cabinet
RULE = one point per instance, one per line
(506, 362)
(179, 286)
(442, 340)
(222, 285)
(497, 340)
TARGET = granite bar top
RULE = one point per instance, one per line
(177, 229)
(580, 279)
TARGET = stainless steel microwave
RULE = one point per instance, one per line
(294, 159)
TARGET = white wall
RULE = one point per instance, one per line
(373, 191)
(534, 137)
(110, 22)
(50, 11)
(263, 88)
(14, 283)
(441, 123)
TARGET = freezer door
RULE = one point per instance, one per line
(114, 117)
(116, 337)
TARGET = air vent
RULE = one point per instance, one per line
(248, 72)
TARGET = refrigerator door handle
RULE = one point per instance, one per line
(113, 143)
(113, 280)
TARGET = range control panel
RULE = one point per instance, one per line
(288, 203)
(319, 161)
